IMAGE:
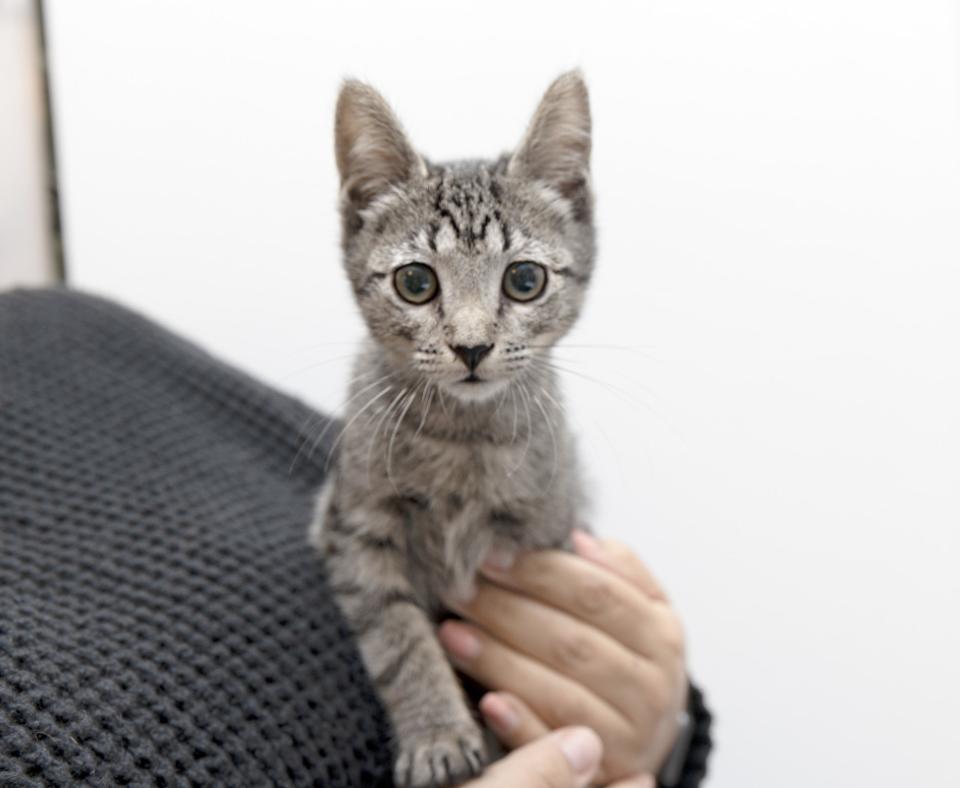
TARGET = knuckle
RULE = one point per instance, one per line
(640, 670)
(572, 650)
(490, 603)
(624, 753)
(594, 597)
(539, 583)
(618, 763)
(659, 698)
(673, 638)
(559, 710)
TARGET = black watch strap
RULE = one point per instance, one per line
(686, 764)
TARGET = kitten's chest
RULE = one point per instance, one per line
(448, 474)
(459, 498)
(478, 496)
(472, 500)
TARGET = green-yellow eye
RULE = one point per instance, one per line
(524, 281)
(416, 283)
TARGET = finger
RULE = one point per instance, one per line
(590, 592)
(554, 698)
(566, 758)
(565, 644)
(620, 559)
(512, 720)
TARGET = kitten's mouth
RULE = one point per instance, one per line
(473, 388)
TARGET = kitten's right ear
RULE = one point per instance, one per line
(373, 152)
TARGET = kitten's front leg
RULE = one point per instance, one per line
(438, 743)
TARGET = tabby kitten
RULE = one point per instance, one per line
(454, 441)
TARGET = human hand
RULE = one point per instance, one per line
(586, 639)
(566, 758)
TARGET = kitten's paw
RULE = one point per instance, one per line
(440, 758)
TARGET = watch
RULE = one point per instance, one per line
(672, 769)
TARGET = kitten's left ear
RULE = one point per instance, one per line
(556, 147)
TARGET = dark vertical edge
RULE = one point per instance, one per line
(53, 183)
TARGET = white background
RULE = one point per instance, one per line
(773, 423)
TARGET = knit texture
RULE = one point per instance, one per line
(163, 621)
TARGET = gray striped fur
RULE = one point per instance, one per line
(431, 473)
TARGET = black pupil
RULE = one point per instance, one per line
(524, 278)
(416, 281)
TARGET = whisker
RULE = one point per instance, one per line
(426, 408)
(381, 420)
(331, 421)
(315, 365)
(393, 436)
(553, 440)
(612, 447)
(443, 404)
(524, 397)
(579, 362)
(349, 423)
(314, 346)
(639, 350)
(615, 389)
(559, 405)
(622, 394)
(502, 396)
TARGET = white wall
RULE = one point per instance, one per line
(26, 256)
(776, 424)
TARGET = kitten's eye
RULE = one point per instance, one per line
(524, 281)
(416, 283)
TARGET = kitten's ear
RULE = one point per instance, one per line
(373, 152)
(556, 147)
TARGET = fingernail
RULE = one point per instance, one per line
(459, 641)
(499, 713)
(499, 560)
(585, 544)
(582, 749)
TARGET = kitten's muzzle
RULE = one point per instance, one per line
(472, 355)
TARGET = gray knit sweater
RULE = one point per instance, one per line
(162, 620)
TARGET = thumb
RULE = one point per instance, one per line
(566, 758)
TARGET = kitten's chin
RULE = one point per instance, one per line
(475, 390)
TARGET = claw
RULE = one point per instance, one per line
(438, 760)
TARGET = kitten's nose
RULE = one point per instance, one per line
(471, 356)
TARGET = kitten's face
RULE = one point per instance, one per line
(467, 273)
